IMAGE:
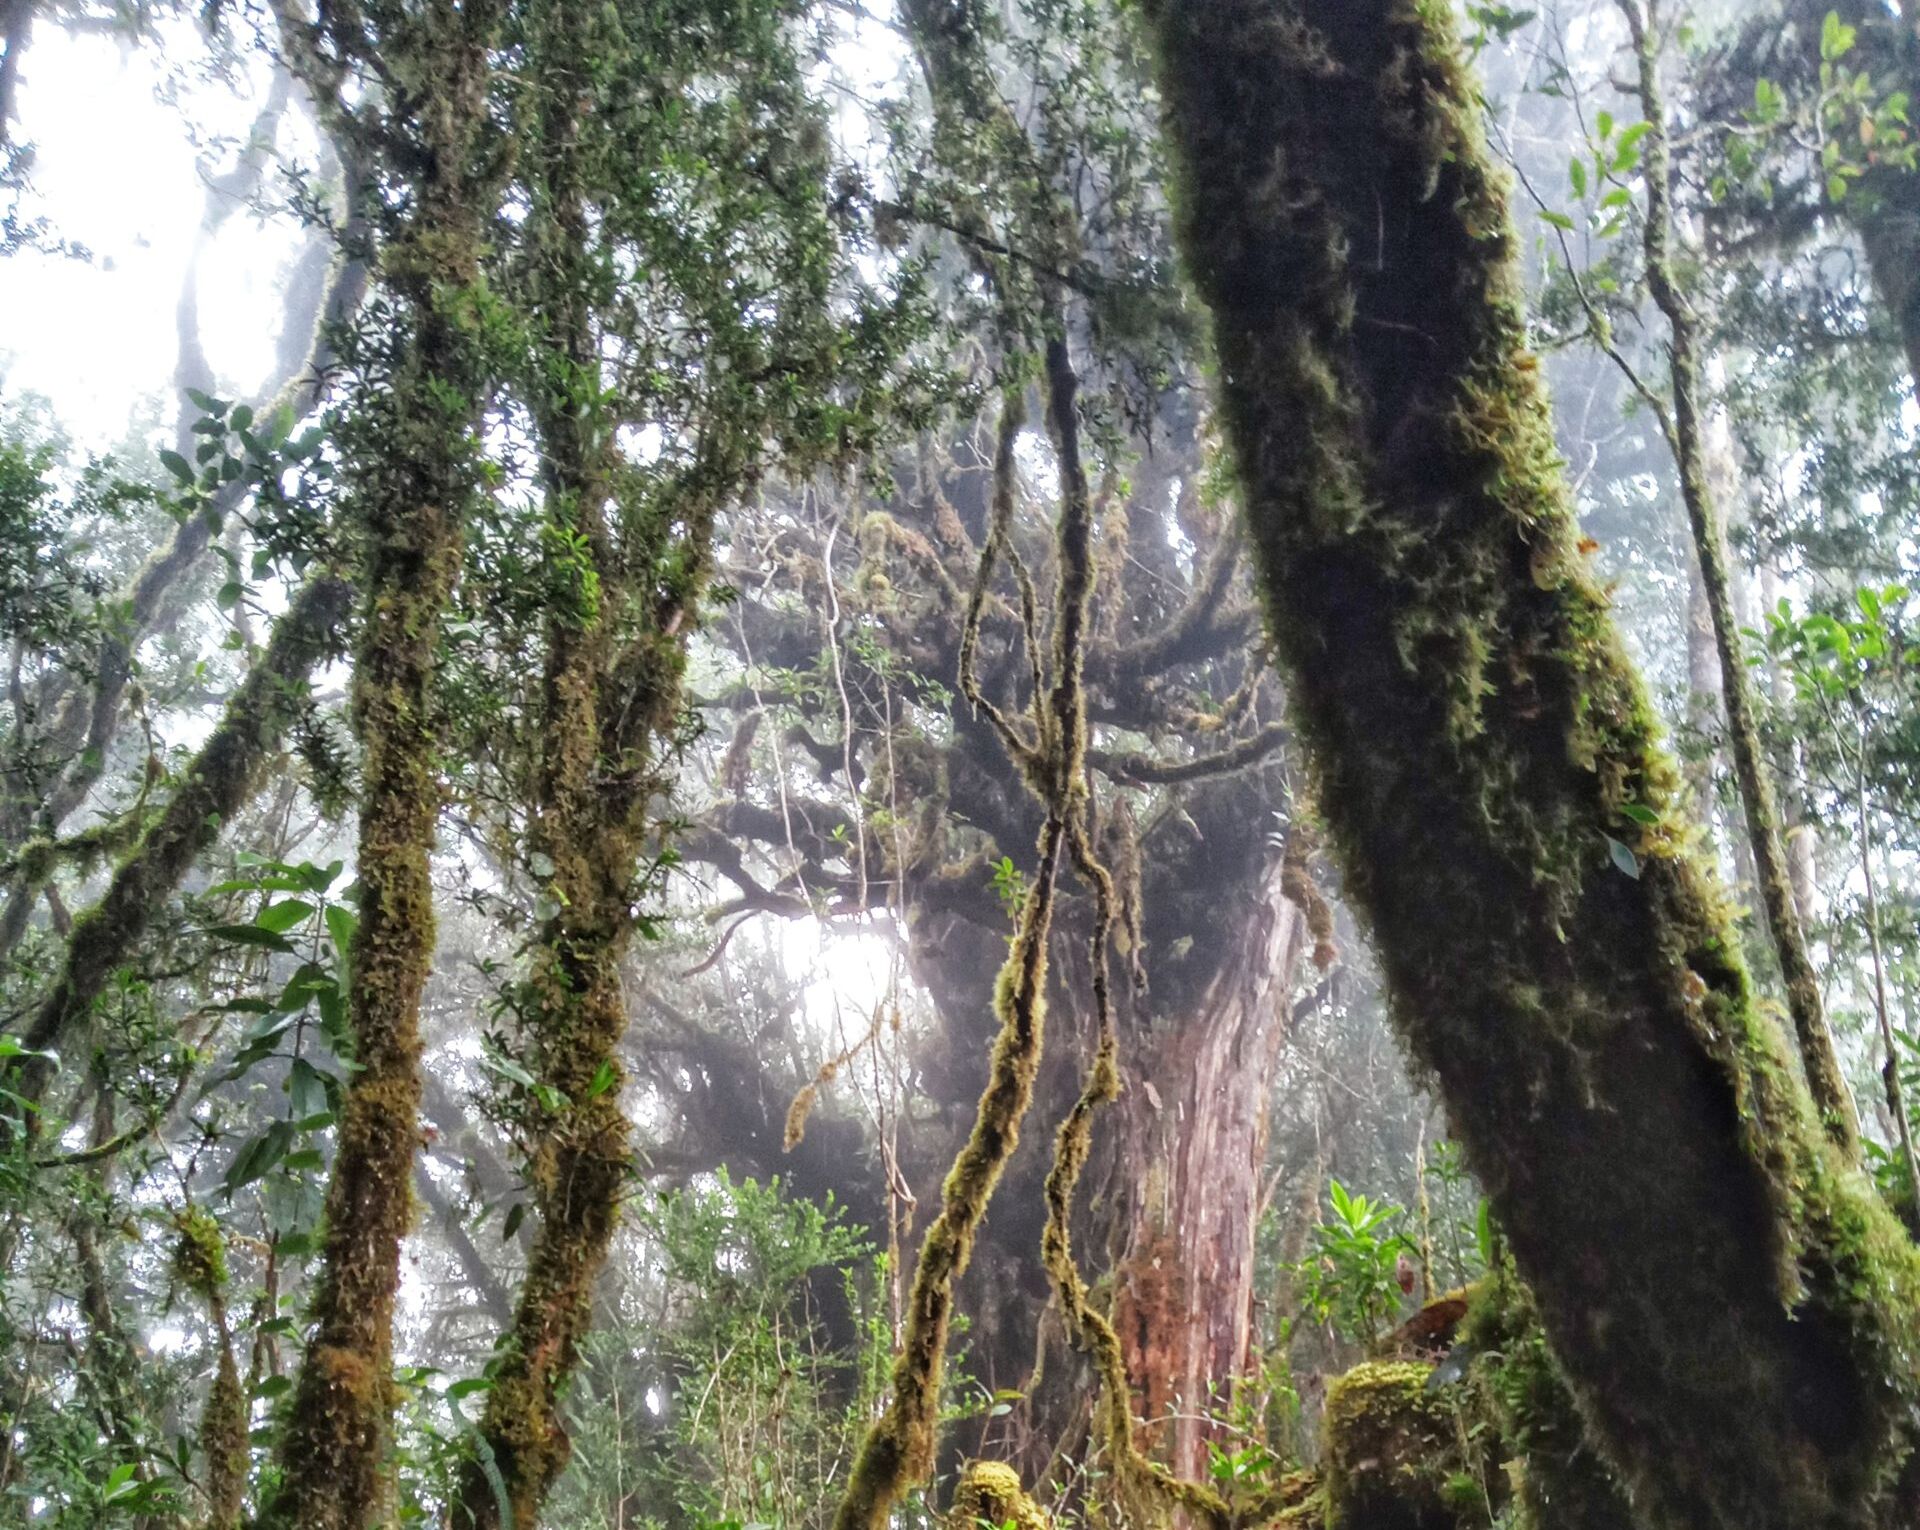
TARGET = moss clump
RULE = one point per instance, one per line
(200, 1265)
(200, 1254)
(990, 1495)
(1300, 1499)
(1393, 1452)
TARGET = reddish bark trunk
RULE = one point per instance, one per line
(1195, 1126)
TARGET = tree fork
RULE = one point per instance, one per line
(607, 719)
(1735, 1310)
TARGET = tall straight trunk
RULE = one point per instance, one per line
(1735, 1310)
(1688, 438)
(1183, 1301)
(412, 478)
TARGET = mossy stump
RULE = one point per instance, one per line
(1393, 1456)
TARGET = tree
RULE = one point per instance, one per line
(1561, 961)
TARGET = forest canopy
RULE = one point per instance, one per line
(1084, 763)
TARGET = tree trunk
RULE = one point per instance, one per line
(1197, 1145)
(1735, 1310)
(412, 479)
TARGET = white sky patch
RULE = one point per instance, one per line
(116, 172)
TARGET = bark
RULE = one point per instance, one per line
(412, 478)
(1197, 1145)
(1734, 1309)
(215, 787)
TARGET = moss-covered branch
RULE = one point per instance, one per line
(608, 713)
(214, 787)
(1734, 1309)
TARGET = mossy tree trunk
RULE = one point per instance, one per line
(413, 473)
(1736, 1312)
(609, 708)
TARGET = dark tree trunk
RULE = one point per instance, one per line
(1735, 1310)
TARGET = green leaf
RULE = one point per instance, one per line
(516, 1214)
(257, 1159)
(1836, 38)
(283, 916)
(241, 418)
(1639, 812)
(257, 884)
(176, 464)
(341, 925)
(307, 1090)
(507, 1068)
(1623, 858)
(12, 1046)
(1557, 219)
(250, 935)
(1577, 174)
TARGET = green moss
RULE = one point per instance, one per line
(990, 1497)
(1393, 1453)
(1737, 1315)
(200, 1266)
(412, 480)
(200, 1254)
(1561, 1482)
